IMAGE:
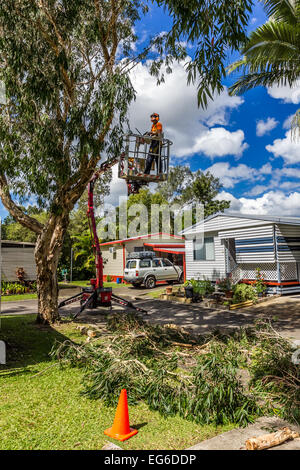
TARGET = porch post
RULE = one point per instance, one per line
(277, 261)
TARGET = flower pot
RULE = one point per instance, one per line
(188, 292)
(169, 290)
(229, 294)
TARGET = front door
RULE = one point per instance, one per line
(158, 270)
(170, 272)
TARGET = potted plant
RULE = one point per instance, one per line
(225, 285)
(188, 288)
(169, 290)
(260, 285)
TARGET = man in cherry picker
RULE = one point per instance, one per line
(155, 147)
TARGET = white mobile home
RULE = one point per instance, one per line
(235, 244)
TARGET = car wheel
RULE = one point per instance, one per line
(150, 282)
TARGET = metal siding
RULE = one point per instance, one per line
(249, 232)
(285, 253)
(223, 223)
(211, 270)
(253, 245)
(113, 267)
(13, 258)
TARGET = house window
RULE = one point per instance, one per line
(204, 250)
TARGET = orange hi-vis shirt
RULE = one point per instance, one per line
(157, 128)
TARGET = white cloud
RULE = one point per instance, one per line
(289, 172)
(218, 142)
(230, 176)
(264, 127)
(266, 169)
(257, 189)
(272, 203)
(286, 148)
(286, 93)
(288, 122)
(184, 123)
(118, 188)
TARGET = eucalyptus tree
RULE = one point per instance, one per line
(66, 68)
(271, 55)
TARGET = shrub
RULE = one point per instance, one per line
(243, 292)
(200, 287)
(224, 284)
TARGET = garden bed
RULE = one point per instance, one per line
(18, 288)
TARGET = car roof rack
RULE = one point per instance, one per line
(141, 255)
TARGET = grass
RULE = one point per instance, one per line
(156, 294)
(63, 285)
(41, 405)
(17, 297)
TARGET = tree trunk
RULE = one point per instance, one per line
(48, 248)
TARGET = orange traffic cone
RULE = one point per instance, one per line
(120, 430)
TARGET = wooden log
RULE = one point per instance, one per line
(271, 440)
(248, 303)
(182, 345)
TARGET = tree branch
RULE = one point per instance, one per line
(29, 222)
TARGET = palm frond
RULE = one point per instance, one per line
(295, 126)
(283, 10)
(268, 78)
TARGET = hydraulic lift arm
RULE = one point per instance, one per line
(98, 295)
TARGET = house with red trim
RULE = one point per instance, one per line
(236, 244)
(164, 245)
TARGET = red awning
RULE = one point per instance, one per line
(175, 251)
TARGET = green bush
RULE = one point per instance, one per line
(201, 287)
(12, 288)
(243, 292)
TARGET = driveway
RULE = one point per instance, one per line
(283, 311)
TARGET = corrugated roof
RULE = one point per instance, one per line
(14, 242)
(150, 235)
(267, 218)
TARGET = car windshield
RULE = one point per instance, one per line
(131, 264)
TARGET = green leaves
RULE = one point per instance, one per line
(271, 55)
(212, 27)
(62, 93)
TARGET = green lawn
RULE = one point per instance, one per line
(63, 285)
(46, 411)
(14, 298)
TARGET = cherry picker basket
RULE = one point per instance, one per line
(139, 148)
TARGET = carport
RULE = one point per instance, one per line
(175, 252)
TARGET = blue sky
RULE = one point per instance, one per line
(242, 140)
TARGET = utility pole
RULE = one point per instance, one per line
(71, 270)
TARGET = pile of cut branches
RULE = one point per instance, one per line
(196, 377)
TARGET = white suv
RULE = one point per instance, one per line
(148, 271)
